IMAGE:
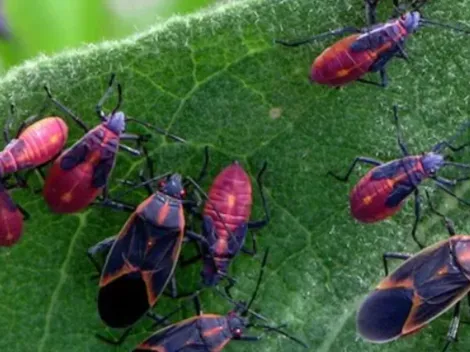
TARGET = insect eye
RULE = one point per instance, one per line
(161, 184)
(183, 193)
(238, 332)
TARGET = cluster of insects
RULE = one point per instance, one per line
(141, 259)
(437, 278)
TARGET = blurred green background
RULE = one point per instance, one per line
(30, 27)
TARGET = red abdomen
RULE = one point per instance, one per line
(69, 191)
(231, 195)
(367, 199)
(39, 143)
(338, 65)
(11, 220)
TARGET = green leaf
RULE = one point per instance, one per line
(217, 79)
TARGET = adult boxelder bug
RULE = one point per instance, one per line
(35, 144)
(81, 172)
(210, 332)
(226, 221)
(369, 49)
(143, 256)
(425, 286)
(382, 191)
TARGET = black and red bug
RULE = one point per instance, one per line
(211, 332)
(35, 144)
(143, 256)
(80, 174)
(364, 50)
(225, 222)
(426, 285)
(382, 191)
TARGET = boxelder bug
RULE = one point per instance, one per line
(210, 332)
(81, 172)
(425, 286)
(143, 256)
(381, 192)
(11, 219)
(367, 50)
(226, 221)
(34, 145)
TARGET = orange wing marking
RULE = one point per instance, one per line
(163, 213)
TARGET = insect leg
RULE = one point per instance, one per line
(115, 204)
(368, 82)
(449, 224)
(6, 127)
(249, 338)
(400, 141)
(23, 211)
(252, 251)
(197, 305)
(371, 12)
(203, 171)
(67, 111)
(117, 342)
(453, 327)
(358, 159)
(102, 246)
(196, 237)
(334, 32)
(231, 283)
(417, 209)
(261, 223)
(393, 255)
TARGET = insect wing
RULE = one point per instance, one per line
(139, 265)
(421, 289)
(177, 337)
(74, 156)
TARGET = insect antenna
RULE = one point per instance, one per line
(279, 331)
(339, 31)
(430, 23)
(417, 4)
(258, 283)
(156, 129)
(448, 142)
(142, 184)
(119, 102)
